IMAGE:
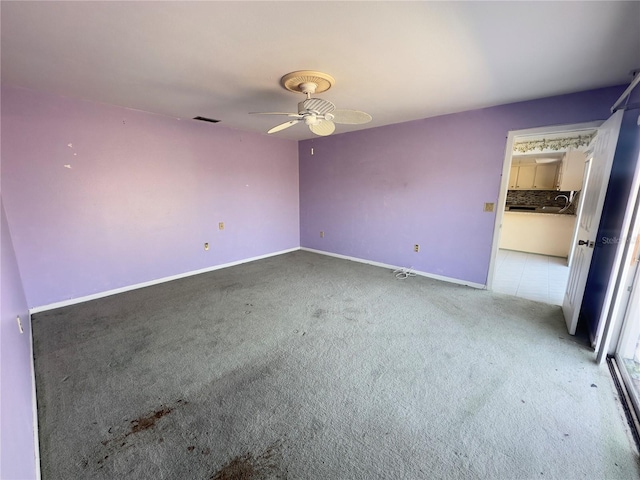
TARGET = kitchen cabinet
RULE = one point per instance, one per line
(572, 171)
(533, 177)
(546, 177)
(526, 177)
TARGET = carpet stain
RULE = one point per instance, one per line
(240, 468)
(248, 467)
(149, 421)
(116, 445)
(143, 423)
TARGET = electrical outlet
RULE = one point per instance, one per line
(321, 234)
(221, 226)
(206, 246)
(416, 248)
(488, 207)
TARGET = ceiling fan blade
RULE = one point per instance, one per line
(284, 125)
(276, 113)
(317, 105)
(352, 117)
(324, 128)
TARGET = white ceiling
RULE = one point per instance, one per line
(398, 61)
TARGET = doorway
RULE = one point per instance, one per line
(538, 205)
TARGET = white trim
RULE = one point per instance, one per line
(34, 405)
(395, 267)
(616, 297)
(504, 183)
(502, 199)
(94, 296)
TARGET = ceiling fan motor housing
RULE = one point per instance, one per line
(315, 105)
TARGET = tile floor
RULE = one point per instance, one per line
(532, 276)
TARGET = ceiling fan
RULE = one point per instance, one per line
(318, 114)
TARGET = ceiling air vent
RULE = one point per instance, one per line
(205, 119)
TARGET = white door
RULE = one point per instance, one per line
(593, 191)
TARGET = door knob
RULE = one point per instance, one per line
(588, 243)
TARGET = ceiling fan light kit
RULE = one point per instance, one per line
(318, 114)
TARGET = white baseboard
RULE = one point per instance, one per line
(395, 267)
(94, 296)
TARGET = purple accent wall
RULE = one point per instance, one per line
(377, 192)
(17, 448)
(101, 197)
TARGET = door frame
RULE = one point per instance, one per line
(504, 183)
(617, 296)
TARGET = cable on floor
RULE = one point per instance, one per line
(402, 273)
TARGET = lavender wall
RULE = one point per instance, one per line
(17, 449)
(142, 194)
(377, 192)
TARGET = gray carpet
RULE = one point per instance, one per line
(303, 366)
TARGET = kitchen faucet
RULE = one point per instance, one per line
(566, 200)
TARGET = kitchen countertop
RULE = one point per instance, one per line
(542, 214)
